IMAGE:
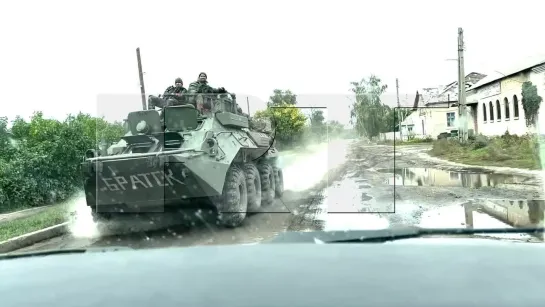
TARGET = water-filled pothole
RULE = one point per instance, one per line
(469, 178)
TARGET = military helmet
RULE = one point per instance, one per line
(178, 80)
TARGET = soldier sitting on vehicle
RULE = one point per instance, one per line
(201, 88)
(175, 93)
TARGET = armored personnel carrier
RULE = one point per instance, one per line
(181, 154)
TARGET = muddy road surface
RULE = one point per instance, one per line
(385, 186)
(339, 186)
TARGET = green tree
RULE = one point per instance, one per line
(282, 97)
(6, 148)
(368, 114)
(316, 117)
(44, 167)
(317, 121)
(393, 118)
(334, 128)
(531, 102)
(288, 120)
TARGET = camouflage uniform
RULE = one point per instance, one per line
(201, 87)
(170, 97)
(171, 91)
(174, 90)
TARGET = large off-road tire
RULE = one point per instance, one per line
(267, 183)
(232, 205)
(278, 181)
(253, 185)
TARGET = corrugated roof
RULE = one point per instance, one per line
(450, 91)
(524, 64)
(431, 94)
(539, 69)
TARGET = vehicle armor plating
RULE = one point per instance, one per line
(177, 156)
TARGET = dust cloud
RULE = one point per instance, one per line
(304, 169)
(81, 224)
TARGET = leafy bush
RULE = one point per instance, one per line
(480, 141)
(288, 121)
(442, 147)
(40, 158)
(506, 150)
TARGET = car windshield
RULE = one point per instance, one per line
(337, 116)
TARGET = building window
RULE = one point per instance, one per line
(516, 106)
(498, 108)
(491, 106)
(484, 111)
(450, 119)
(506, 102)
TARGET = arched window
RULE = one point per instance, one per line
(515, 106)
(484, 111)
(498, 107)
(506, 102)
(491, 106)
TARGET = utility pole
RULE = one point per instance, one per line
(397, 93)
(248, 105)
(141, 74)
(399, 110)
(462, 111)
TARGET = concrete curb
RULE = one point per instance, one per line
(33, 237)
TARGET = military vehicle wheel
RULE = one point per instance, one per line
(278, 181)
(267, 183)
(232, 205)
(253, 185)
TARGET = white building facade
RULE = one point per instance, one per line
(499, 103)
(499, 107)
(438, 111)
(434, 119)
(494, 106)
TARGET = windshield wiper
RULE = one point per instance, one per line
(62, 251)
(391, 234)
(418, 232)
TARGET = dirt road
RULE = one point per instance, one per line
(345, 186)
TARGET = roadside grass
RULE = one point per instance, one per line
(49, 217)
(505, 151)
(414, 141)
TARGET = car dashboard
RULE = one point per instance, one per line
(279, 275)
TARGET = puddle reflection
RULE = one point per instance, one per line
(437, 177)
(515, 213)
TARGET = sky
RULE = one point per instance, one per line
(63, 57)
